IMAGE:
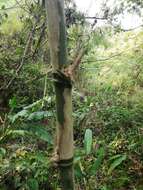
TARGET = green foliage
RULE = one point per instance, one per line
(110, 104)
(107, 108)
(2, 153)
(116, 161)
(97, 164)
(30, 169)
(88, 141)
(31, 113)
(41, 133)
(32, 184)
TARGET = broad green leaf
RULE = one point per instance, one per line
(78, 172)
(96, 165)
(114, 157)
(41, 132)
(23, 113)
(116, 163)
(17, 132)
(31, 116)
(39, 115)
(88, 141)
(33, 184)
(2, 152)
(78, 168)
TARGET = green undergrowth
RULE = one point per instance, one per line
(113, 110)
(107, 111)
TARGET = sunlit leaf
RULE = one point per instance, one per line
(88, 141)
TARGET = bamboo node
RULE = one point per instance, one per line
(61, 79)
(65, 163)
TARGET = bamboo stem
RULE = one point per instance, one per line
(63, 89)
(67, 178)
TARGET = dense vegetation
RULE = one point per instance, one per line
(107, 103)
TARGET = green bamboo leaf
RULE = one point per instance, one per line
(16, 133)
(39, 115)
(41, 133)
(88, 141)
(96, 165)
(21, 114)
(115, 157)
(78, 171)
(116, 163)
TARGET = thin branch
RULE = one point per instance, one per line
(96, 18)
(49, 71)
(16, 5)
(22, 7)
(78, 59)
(131, 29)
(29, 41)
(40, 38)
(69, 71)
(28, 44)
(106, 59)
(9, 8)
(78, 56)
